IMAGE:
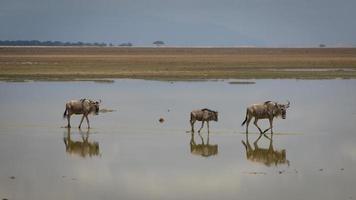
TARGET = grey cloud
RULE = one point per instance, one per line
(197, 22)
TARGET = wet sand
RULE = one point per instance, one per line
(129, 154)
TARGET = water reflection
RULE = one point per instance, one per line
(203, 149)
(81, 148)
(267, 156)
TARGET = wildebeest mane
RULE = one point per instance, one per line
(266, 102)
(82, 100)
(85, 99)
(206, 109)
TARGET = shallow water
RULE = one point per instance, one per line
(129, 154)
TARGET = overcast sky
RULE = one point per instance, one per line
(182, 22)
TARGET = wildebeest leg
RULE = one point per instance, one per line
(202, 125)
(68, 119)
(255, 143)
(270, 148)
(266, 136)
(192, 141)
(201, 137)
(270, 124)
(67, 140)
(192, 124)
(81, 121)
(247, 145)
(247, 123)
(207, 142)
(86, 116)
(255, 122)
(85, 139)
(207, 123)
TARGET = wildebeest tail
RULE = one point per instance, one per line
(243, 123)
(65, 113)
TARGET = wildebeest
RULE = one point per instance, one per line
(203, 115)
(267, 110)
(82, 106)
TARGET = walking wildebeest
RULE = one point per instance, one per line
(78, 107)
(267, 110)
(203, 115)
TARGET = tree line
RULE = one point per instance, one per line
(46, 43)
(59, 43)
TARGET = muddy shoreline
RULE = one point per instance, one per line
(89, 63)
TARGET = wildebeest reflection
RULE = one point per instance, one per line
(203, 115)
(267, 110)
(78, 107)
(203, 149)
(82, 148)
(267, 156)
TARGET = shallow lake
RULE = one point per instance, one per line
(129, 154)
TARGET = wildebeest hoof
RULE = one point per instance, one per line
(67, 127)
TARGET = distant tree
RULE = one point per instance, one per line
(322, 45)
(126, 44)
(158, 43)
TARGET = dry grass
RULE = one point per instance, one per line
(67, 63)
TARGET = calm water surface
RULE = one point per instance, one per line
(128, 154)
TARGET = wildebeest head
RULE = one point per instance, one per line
(214, 116)
(282, 109)
(94, 106)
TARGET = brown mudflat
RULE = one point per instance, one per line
(83, 63)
